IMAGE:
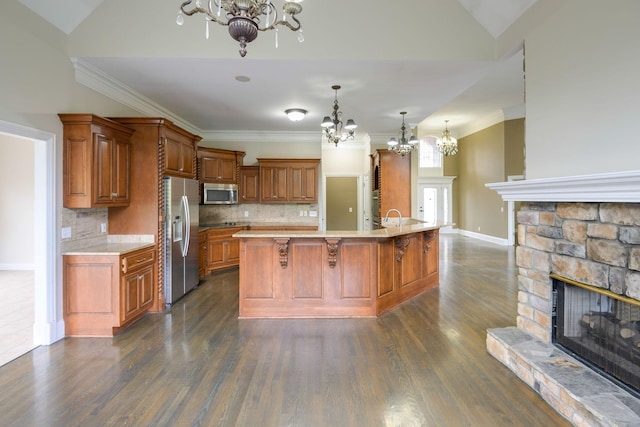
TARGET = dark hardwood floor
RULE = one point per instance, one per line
(423, 363)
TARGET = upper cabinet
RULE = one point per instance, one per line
(179, 153)
(219, 166)
(392, 179)
(249, 184)
(96, 162)
(289, 180)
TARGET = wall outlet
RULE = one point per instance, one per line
(313, 213)
(301, 213)
(246, 214)
(103, 227)
(65, 232)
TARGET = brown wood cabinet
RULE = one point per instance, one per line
(223, 250)
(392, 179)
(180, 153)
(96, 162)
(152, 138)
(105, 293)
(249, 184)
(289, 180)
(219, 166)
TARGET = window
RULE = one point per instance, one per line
(430, 156)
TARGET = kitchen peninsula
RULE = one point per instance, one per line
(313, 274)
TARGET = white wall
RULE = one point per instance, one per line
(583, 90)
(17, 193)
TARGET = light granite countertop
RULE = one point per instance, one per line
(115, 245)
(408, 226)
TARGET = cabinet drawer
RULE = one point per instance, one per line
(135, 260)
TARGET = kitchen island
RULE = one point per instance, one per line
(314, 274)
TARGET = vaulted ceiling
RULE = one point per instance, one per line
(436, 59)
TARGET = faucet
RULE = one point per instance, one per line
(386, 218)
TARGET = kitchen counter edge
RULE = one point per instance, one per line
(382, 233)
(110, 248)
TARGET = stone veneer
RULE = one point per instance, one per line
(593, 243)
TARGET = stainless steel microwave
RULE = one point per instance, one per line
(219, 194)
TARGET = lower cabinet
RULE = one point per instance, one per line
(223, 250)
(105, 293)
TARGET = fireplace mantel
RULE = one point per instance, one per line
(623, 187)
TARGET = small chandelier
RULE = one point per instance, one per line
(403, 147)
(332, 127)
(243, 17)
(447, 144)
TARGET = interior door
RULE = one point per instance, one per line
(342, 203)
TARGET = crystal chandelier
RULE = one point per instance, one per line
(332, 127)
(447, 144)
(243, 17)
(404, 146)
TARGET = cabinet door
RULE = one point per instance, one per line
(145, 287)
(178, 157)
(103, 169)
(221, 170)
(121, 168)
(187, 157)
(249, 185)
(304, 181)
(215, 253)
(273, 184)
(130, 297)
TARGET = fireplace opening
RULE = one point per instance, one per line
(600, 328)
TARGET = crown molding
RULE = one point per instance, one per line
(88, 75)
(623, 187)
(511, 113)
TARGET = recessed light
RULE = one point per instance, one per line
(243, 79)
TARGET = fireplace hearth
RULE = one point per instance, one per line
(600, 328)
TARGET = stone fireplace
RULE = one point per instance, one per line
(585, 230)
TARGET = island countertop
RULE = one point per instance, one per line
(408, 226)
(311, 274)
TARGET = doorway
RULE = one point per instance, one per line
(435, 200)
(48, 325)
(342, 203)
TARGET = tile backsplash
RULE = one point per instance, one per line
(292, 214)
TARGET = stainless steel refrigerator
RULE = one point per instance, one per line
(181, 238)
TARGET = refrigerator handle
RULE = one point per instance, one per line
(187, 225)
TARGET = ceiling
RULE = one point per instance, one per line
(437, 62)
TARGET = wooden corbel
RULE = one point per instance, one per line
(401, 246)
(428, 237)
(283, 250)
(332, 248)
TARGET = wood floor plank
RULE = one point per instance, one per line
(423, 363)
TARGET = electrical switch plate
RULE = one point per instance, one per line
(103, 227)
(65, 232)
(313, 213)
(350, 209)
(246, 214)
